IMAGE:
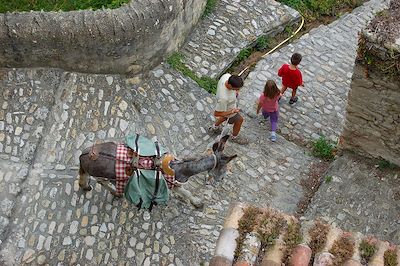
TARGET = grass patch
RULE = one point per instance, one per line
(315, 9)
(57, 5)
(207, 83)
(210, 6)
(367, 250)
(328, 179)
(323, 148)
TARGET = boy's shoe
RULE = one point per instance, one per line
(293, 100)
(239, 140)
(214, 130)
(273, 136)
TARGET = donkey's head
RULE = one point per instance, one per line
(218, 172)
(215, 163)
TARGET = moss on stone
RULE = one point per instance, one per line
(342, 249)
(367, 249)
(390, 257)
(246, 225)
(318, 235)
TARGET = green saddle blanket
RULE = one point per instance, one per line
(145, 146)
(146, 188)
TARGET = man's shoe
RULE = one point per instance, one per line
(214, 130)
(239, 140)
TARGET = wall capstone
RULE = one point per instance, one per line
(131, 39)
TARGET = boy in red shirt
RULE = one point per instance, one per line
(291, 76)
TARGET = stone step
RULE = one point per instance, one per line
(232, 26)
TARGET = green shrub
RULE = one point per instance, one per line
(261, 43)
(210, 6)
(313, 9)
(243, 54)
(56, 5)
(328, 178)
(323, 148)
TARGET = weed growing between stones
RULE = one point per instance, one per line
(210, 6)
(268, 230)
(342, 249)
(207, 83)
(292, 238)
(246, 225)
(318, 235)
(323, 148)
(328, 179)
(57, 5)
(390, 257)
(367, 249)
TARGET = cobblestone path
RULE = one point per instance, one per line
(327, 66)
(48, 116)
(232, 26)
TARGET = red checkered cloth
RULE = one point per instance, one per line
(123, 160)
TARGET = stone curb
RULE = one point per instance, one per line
(130, 39)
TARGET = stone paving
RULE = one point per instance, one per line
(360, 198)
(327, 66)
(46, 219)
(233, 25)
(55, 222)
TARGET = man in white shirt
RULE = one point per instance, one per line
(226, 108)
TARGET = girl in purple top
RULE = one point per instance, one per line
(268, 102)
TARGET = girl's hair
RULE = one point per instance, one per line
(270, 89)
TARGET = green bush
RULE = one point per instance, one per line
(210, 6)
(56, 5)
(243, 54)
(323, 148)
(312, 9)
(261, 43)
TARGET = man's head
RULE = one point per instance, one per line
(295, 59)
(234, 82)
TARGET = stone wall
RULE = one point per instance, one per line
(372, 125)
(130, 39)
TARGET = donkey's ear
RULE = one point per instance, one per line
(222, 142)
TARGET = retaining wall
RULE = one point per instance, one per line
(372, 125)
(130, 39)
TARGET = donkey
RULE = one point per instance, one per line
(102, 168)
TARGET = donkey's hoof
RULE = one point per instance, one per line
(88, 188)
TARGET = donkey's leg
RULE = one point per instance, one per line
(186, 194)
(84, 180)
(107, 185)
